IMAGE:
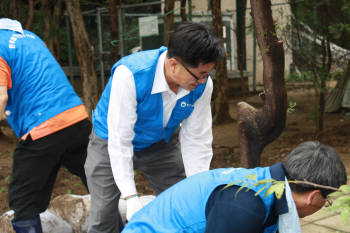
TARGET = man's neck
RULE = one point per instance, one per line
(172, 85)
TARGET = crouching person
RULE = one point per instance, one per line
(201, 204)
(46, 114)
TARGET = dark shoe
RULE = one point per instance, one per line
(27, 226)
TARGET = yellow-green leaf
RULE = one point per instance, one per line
(277, 188)
(231, 184)
(345, 214)
(253, 177)
(261, 189)
(345, 188)
(336, 194)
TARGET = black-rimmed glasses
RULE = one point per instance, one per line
(188, 70)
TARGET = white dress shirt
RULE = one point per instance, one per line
(195, 134)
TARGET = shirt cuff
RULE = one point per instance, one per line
(127, 188)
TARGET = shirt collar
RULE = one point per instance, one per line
(11, 24)
(160, 84)
(281, 205)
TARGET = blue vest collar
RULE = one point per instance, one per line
(277, 173)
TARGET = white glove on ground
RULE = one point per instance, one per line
(132, 206)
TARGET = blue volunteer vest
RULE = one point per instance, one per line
(179, 210)
(40, 89)
(149, 124)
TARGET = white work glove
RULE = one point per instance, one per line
(132, 206)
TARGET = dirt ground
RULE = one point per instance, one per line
(299, 127)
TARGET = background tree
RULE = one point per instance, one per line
(14, 9)
(114, 7)
(241, 41)
(31, 4)
(315, 26)
(183, 11)
(168, 19)
(258, 127)
(221, 107)
(52, 15)
(85, 55)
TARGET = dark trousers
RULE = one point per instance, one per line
(36, 163)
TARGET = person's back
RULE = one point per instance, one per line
(182, 207)
(40, 89)
(46, 114)
(202, 203)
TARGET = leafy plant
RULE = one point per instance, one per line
(291, 106)
(2, 189)
(7, 178)
(341, 202)
(340, 196)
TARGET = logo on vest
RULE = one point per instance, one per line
(184, 104)
(228, 171)
(14, 37)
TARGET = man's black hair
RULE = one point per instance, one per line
(316, 163)
(194, 43)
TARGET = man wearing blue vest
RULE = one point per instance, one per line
(136, 123)
(46, 114)
(201, 203)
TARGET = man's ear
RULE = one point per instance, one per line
(312, 196)
(172, 64)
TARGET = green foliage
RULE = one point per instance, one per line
(228, 158)
(300, 77)
(341, 202)
(69, 191)
(7, 178)
(341, 197)
(291, 106)
(270, 186)
(2, 189)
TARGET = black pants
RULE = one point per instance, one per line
(36, 163)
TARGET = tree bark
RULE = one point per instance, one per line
(241, 42)
(183, 11)
(14, 9)
(168, 20)
(114, 5)
(84, 53)
(221, 107)
(52, 11)
(258, 127)
(30, 15)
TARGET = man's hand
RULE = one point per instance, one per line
(3, 100)
(132, 206)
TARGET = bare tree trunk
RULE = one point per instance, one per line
(114, 5)
(241, 43)
(85, 55)
(46, 11)
(183, 11)
(258, 127)
(168, 20)
(56, 22)
(221, 107)
(30, 15)
(326, 67)
(14, 9)
(52, 11)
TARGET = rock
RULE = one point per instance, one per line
(5, 222)
(74, 209)
(66, 214)
(50, 223)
